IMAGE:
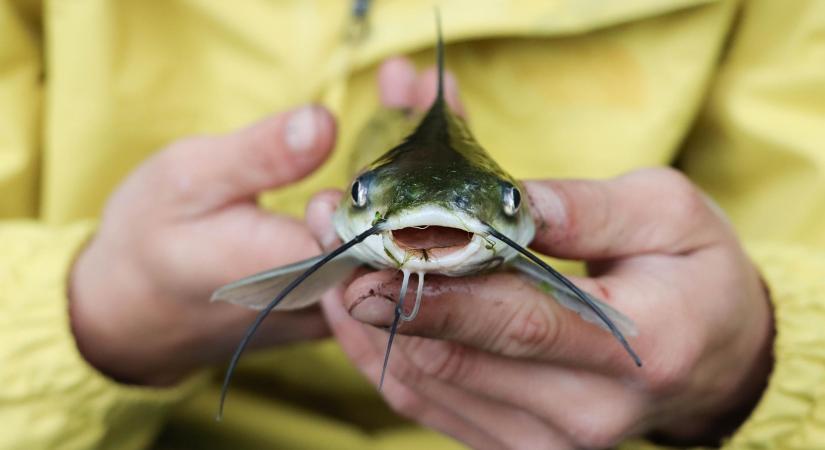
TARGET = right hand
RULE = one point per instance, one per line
(182, 224)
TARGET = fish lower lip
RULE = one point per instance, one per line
(431, 241)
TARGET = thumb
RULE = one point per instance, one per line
(319, 217)
(275, 151)
(649, 210)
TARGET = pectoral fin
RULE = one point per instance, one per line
(258, 290)
(567, 298)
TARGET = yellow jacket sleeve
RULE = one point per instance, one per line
(20, 93)
(48, 389)
(759, 149)
(790, 412)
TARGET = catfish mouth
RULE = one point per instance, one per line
(431, 240)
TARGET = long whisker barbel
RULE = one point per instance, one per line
(579, 293)
(275, 301)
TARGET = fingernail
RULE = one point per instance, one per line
(322, 212)
(545, 203)
(301, 129)
(329, 238)
(376, 311)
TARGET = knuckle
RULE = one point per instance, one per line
(532, 431)
(449, 362)
(533, 329)
(363, 356)
(595, 428)
(172, 168)
(402, 369)
(405, 402)
(669, 377)
(683, 198)
(595, 438)
(675, 197)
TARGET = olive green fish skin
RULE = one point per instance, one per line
(438, 175)
(439, 164)
(452, 171)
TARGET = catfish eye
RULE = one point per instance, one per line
(511, 199)
(358, 193)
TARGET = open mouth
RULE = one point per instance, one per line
(431, 241)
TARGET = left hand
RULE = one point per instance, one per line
(495, 363)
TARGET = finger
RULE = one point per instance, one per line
(356, 343)
(273, 152)
(649, 210)
(279, 328)
(511, 424)
(319, 216)
(396, 83)
(592, 410)
(252, 241)
(426, 88)
(501, 313)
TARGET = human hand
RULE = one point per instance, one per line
(183, 223)
(496, 363)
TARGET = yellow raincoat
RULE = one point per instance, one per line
(734, 94)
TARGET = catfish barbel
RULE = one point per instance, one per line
(436, 203)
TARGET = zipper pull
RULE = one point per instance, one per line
(359, 25)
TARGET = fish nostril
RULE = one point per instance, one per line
(461, 202)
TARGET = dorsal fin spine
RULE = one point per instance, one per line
(439, 59)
